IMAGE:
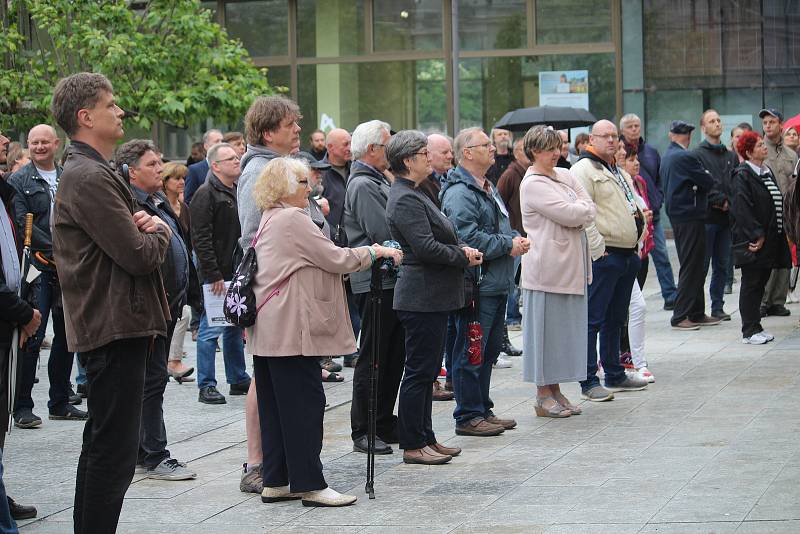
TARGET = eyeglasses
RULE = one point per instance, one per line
(304, 183)
(422, 153)
(483, 145)
(378, 145)
(232, 158)
(607, 137)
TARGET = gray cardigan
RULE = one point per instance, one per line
(431, 277)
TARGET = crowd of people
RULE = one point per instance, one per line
(474, 236)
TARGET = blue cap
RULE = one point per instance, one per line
(770, 111)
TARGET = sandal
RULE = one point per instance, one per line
(333, 377)
(182, 377)
(556, 411)
(563, 401)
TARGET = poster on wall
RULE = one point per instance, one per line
(568, 88)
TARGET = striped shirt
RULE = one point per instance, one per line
(777, 198)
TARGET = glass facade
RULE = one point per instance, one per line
(347, 61)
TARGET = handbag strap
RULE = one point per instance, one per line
(258, 234)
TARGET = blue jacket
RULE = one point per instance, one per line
(194, 179)
(482, 222)
(650, 165)
(687, 184)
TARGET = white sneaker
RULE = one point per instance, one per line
(502, 363)
(767, 335)
(645, 374)
(756, 339)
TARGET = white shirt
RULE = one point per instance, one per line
(51, 177)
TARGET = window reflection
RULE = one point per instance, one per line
(492, 24)
(261, 25)
(330, 28)
(407, 25)
(573, 21)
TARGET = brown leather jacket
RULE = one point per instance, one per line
(109, 270)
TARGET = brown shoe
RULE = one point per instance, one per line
(480, 427)
(439, 394)
(709, 321)
(687, 325)
(425, 456)
(448, 385)
(447, 451)
(508, 424)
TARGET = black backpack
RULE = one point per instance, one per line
(240, 301)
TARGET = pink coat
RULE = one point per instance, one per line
(302, 270)
(554, 213)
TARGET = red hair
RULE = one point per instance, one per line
(747, 142)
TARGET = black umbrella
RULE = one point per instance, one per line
(558, 117)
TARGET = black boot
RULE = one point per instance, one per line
(508, 348)
(20, 511)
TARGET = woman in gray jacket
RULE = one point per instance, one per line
(430, 285)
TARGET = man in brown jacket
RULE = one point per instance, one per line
(107, 254)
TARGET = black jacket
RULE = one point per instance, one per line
(215, 229)
(753, 216)
(333, 189)
(686, 183)
(431, 277)
(13, 310)
(720, 162)
(177, 296)
(33, 196)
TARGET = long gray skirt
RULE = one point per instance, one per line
(554, 336)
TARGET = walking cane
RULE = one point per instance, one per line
(13, 356)
(376, 288)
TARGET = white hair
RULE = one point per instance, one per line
(630, 117)
(365, 134)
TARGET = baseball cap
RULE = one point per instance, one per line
(770, 111)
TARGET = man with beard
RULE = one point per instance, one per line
(503, 157)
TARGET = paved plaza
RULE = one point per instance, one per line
(712, 446)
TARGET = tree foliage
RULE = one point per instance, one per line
(167, 59)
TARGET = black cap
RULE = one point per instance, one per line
(312, 161)
(680, 127)
(770, 111)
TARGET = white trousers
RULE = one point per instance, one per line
(637, 312)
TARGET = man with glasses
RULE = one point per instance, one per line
(215, 235)
(365, 224)
(482, 221)
(613, 238)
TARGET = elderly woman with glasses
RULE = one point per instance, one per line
(429, 287)
(303, 315)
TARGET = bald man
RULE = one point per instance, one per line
(440, 152)
(334, 180)
(36, 184)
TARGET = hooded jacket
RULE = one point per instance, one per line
(482, 222)
(687, 185)
(253, 162)
(720, 163)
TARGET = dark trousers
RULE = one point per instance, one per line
(718, 252)
(471, 382)
(613, 277)
(425, 337)
(450, 346)
(115, 374)
(690, 240)
(153, 432)
(291, 405)
(390, 361)
(753, 281)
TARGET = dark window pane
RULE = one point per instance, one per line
(491, 87)
(412, 95)
(279, 77)
(573, 21)
(408, 25)
(330, 28)
(262, 26)
(211, 6)
(492, 24)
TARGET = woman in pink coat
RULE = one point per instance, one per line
(303, 316)
(555, 273)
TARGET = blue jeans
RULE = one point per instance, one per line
(661, 262)
(80, 375)
(232, 354)
(513, 316)
(718, 251)
(7, 523)
(471, 382)
(609, 299)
